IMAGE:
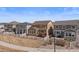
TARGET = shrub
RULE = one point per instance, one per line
(77, 44)
(60, 42)
(48, 42)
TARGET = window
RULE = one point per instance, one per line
(66, 34)
(69, 34)
(62, 34)
(68, 26)
(58, 32)
(73, 27)
(60, 26)
(73, 35)
(24, 31)
(56, 27)
(20, 31)
(63, 27)
(34, 31)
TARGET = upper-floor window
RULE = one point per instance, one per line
(68, 26)
(73, 27)
(60, 26)
(56, 27)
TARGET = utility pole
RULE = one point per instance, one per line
(54, 45)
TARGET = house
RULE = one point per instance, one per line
(17, 28)
(10, 27)
(41, 28)
(22, 28)
(66, 29)
(2, 27)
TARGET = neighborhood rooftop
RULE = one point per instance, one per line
(67, 22)
(42, 22)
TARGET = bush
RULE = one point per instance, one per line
(48, 42)
(60, 42)
(77, 44)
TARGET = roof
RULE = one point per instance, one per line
(25, 23)
(42, 22)
(31, 28)
(17, 23)
(13, 22)
(67, 22)
(3, 23)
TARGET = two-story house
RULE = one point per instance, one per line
(40, 28)
(66, 29)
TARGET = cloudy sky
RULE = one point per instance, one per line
(30, 14)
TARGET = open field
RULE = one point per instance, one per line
(60, 49)
(47, 49)
(22, 48)
(6, 49)
(36, 45)
(21, 41)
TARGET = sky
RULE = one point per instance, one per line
(31, 14)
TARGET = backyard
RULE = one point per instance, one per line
(21, 41)
(4, 49)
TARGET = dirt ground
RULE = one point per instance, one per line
(21, 41)
(6, 49)
(61, 49)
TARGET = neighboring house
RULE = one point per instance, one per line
(61, 29)
(2, 27)
(17, 28)
(40, 28)
(22, 28)
(10, 27)
(66, 29)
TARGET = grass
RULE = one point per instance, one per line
(21, 41)
(6, 49)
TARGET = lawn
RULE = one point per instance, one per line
(21, 41)
(6, 49)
